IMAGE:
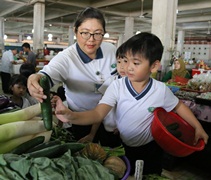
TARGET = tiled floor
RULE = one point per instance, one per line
(182, 171)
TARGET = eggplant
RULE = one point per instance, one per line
(9, 109)
(4, 101)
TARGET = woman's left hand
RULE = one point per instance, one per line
(87, 138)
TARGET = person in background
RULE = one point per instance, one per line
(134, 96)
(26, 70)
(6, 68)
(179, 70)
(18, 87)
(31, 57)
(82, 68)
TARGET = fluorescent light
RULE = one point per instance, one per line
(50, 36)
(137, 32)
(5, 36)
(106, 35)
(28, 37)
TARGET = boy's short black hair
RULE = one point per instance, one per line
(27, 69)
(26, 45)
(146, 44)
(120, 51)
(17, 79)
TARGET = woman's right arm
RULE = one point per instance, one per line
(34, 87)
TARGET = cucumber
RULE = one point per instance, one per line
(22, 148)
(44, 145)
(173, 126)
(176, 133)
(57, 150)
(46, 109)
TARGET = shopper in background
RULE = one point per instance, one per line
(26, 70)
(31, 57)
(82, 68)
(133, 96)
(179, 70)
(6, 68)
(18, 87)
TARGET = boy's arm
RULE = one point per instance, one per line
(80, 118)
(185, 112)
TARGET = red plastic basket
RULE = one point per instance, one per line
(177, 147)
(181, 80)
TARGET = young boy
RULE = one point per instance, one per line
(133, 96)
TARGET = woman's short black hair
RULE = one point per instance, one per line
(27, 69)
(17, 79)
(147, 45)
(89, 13)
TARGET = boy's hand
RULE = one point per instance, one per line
(60, 110)
(200, 134)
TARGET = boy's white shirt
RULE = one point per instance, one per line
(110, 119)
(132, 116)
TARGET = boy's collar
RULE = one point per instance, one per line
(87, 59)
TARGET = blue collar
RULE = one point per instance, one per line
(134, 93)
(87, 59)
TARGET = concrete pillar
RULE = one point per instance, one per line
(164, 25)
(20, 38)
(1, 34)
(71, 35)
(120, 40)
(38, 25)
(129, 27)
(58, 40)
(180, 41)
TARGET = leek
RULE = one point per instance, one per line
(8, 146)
(21, 128)
(21, 115)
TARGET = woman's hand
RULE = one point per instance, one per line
(87, 138)
(34, 87)
(60, 110)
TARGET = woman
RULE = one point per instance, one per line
(179, 70)
(82, 68)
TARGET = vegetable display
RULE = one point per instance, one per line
(46, 108)
(28, 151)
(21, 126)
(115, 164)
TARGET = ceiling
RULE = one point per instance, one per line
(193, 16)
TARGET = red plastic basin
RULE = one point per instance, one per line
(177, 147)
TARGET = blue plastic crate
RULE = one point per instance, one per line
(174, 89)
